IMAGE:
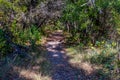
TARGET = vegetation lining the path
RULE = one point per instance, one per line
(101, 62)
(88, 25)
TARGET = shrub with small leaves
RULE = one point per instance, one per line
(4, 47)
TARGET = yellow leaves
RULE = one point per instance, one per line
(38, 42)
(114, 44)
(90, 44)
(103, 42)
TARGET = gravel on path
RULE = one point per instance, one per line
(62, 70)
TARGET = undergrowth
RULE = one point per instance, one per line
(26, 36)
(104, 60)
(4, 46)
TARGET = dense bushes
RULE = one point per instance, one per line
(12, 26)
(23, 20)
(95, 24)
(28, 36)
(90, 22)
(4, 45)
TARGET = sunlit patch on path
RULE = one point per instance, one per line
(62, 70)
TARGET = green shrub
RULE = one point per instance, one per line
(91, 23)
(28, 35)
(4, 46)
(107, 59)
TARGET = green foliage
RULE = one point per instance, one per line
(92, 22)
(12, 24)
(29, 35)
(93, 25)
(102, 58)
(58, 25)
(4, 46)
(107, 59)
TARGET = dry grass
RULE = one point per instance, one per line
(92, 60)
(31, 74)
(36, 68)
(77, 56)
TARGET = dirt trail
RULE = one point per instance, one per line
(62, 70)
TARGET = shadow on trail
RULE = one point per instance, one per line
(50, 63)
(62, 69)
(23, 68)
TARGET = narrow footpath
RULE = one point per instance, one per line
(61, 68)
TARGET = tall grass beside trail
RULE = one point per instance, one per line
(103, 61)
(107, 58)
